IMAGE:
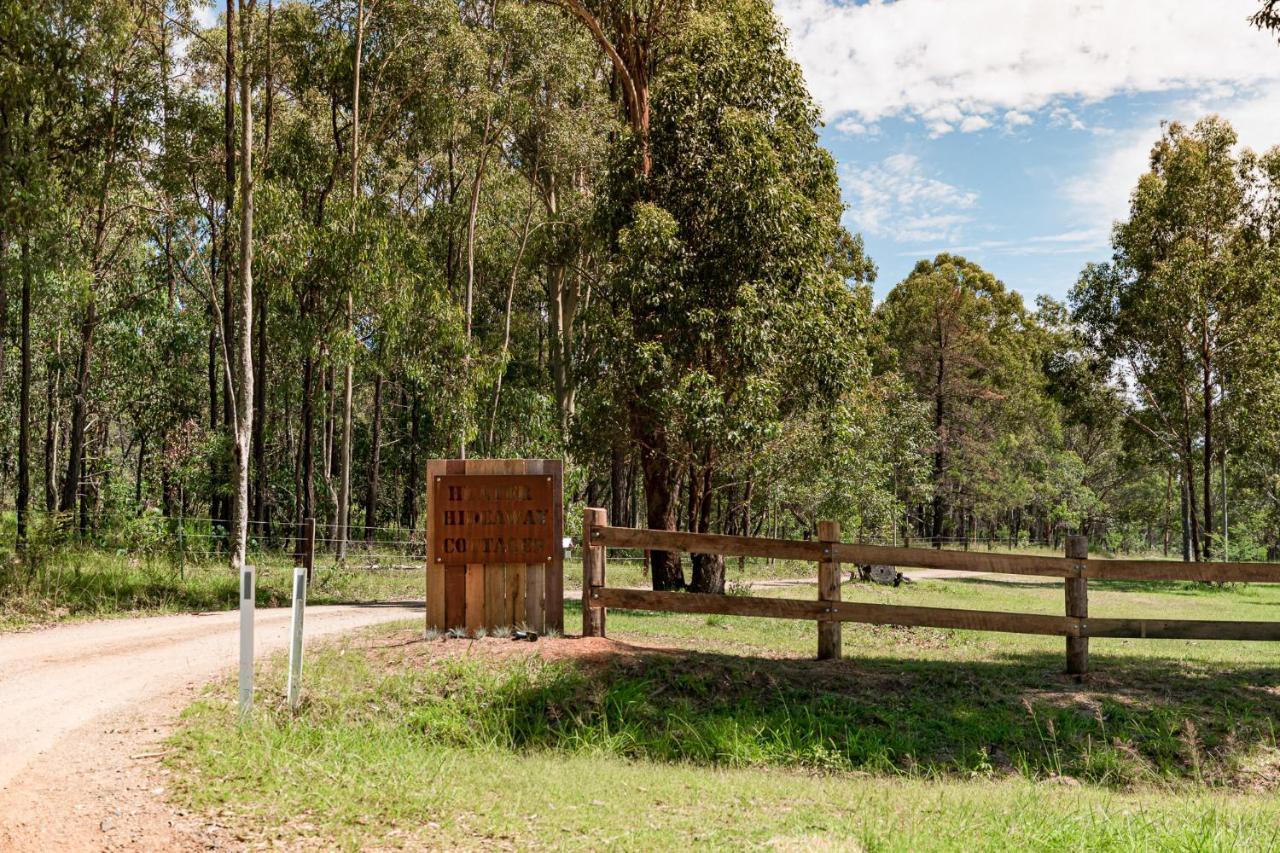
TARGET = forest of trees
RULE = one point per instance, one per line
(594, 230)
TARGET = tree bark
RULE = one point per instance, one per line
(1188, 471)
(243, 409)
(618, 484)
(344, 491)
(1207, 390)
(79, 410)
(24, 398)
(708, 569)
(259, 513)
(939, 451)
(375, 454)
(308, 462)
(409, 511)
(662, 497)
(89, 321)
(137, 473)
(52, 422)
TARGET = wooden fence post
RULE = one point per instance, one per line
(593, 564)
(829, 646)
(1077, 606)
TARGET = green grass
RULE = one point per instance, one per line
(732, 736)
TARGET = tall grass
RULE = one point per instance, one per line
(723, 711)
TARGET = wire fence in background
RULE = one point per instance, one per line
(381, 547)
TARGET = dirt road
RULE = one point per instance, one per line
(83, 709)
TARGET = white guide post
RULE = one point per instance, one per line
(295, 633)
(247, 598)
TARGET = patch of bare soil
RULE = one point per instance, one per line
(86, 707)
(410, 648)
(103, 788)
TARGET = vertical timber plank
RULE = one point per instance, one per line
(593, 567)
(535, 577)
(1077, 595)
(554, 468)
(495, 596)
(455, 596)
(435, 571)
(515, 594)
(829, 639)
(475, 598)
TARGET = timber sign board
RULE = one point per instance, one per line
(492, 519)
(495, 554)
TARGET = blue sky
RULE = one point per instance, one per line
(1012, 131)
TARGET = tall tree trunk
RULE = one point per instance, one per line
(6, 135)
(1187, 523)
(375, 458)
(344, 491)
(215, 259)
(618, 485)
(80, 402)
(137, 473)
(308, 462)
(939, 452)
(708, 569)
(4, 279)
(243, 411)
(506, 327)
(409, 515)
(259, 513)
(268, 110)
(223, 514)
(52, 422)
(1168, 494)
(24, 398)
(79, 410)
(662, 498)
(1188, 471)
(1207, 389)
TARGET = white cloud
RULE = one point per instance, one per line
(898, 199)
(1099, 195)
(1016, 118)
(850, 126)
(949, 62)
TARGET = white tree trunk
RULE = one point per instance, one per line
(244, 351)
(344, 490)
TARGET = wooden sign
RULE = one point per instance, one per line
(492, 519)
(494, 547)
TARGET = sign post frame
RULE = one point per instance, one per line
(491, 583)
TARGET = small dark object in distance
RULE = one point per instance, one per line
(531, 636)
(880, 574)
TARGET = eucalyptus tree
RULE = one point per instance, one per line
(960, 339)
(1182, 304)
(1268, 16)
(728, 306)
(113, 123)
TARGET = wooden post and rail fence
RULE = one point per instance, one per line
(1076, 568)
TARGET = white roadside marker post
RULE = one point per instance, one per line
(295, 632)
(247, 600)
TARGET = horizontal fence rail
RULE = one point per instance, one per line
(1075, 569)
(929, 558)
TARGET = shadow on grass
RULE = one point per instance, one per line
(1144, 721)
(1195, 589)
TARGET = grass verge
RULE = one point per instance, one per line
(572, 744)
